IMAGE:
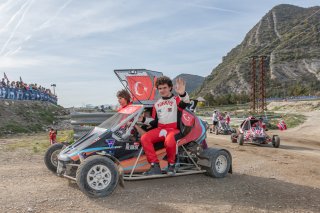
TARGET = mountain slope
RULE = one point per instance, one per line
(291, 45)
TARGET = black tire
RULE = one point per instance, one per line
(50, 156)
(234, 137)
(276, 141)
(240, 139)
(97, 162)
(220, 164)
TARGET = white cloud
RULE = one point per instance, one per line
(6, 62)
(214, 8)
(31, 63)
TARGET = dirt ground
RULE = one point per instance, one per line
(265, 179)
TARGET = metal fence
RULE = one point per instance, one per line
(238, 120)
(22, 94)
(84, 122)
(294, 98)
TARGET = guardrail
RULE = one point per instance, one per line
(237, 120)
(84, 122)
(296, 98)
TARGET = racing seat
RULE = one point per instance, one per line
(185, 123)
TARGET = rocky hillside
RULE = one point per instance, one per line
(289, 36)
(28, 116)
(193, 81)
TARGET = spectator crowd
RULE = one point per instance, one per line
(18, 90)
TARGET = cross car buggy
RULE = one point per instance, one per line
(223, 128)
(252, 130)
(112, 152)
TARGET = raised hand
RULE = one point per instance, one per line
(180, 86)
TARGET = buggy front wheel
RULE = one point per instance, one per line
(97, 176)
(220, 164)
(276, 141)
(51, 156)
(240, 139)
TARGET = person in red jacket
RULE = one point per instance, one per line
(165, 115)
(227, 117)
(53, 136)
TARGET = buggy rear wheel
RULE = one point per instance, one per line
(276, 141)
(51, 156)
(97, 176)
(240, 139)
(220, 164)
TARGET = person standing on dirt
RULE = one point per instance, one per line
(214, 121)
(262, 124)
(53, 136)
(282, 125)
(227, 117)
(124, 98)
(165, 115)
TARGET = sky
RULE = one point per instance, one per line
(76, 44)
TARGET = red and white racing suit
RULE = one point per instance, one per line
(165, 114)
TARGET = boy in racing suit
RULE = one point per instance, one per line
(165, 114)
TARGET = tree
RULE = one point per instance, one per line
(209, 99)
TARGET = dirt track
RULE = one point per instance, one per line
(265, 179)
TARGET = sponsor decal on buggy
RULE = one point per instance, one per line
(134, 146)
(98, 138)
(114, 147)
(111, 148)
(110, 142)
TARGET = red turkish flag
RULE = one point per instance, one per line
(187, 118)
(141, 87)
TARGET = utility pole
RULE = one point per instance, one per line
(253, 85)
(258, 85)
(262, 106)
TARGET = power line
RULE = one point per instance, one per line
(305, 35)
(288, 31)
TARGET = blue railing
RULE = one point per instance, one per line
(294, 98)
(22, 94)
